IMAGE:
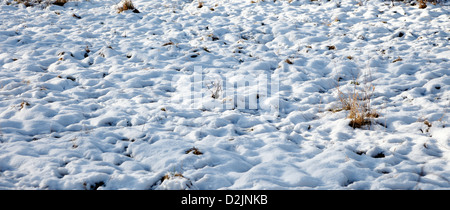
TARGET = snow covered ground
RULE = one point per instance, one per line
(95, 99)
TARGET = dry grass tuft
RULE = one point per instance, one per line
(23, 105)
(168, 43)
(127, 5)
(29, 3)
(169, 176)
(422, 4)
(358, 103)
(397, 60)
(60, 2)
(288, 61)
(194, 151)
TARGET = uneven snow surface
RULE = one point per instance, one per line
(92, 99)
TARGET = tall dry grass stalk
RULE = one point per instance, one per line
(358, 103)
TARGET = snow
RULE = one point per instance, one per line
(96, 99)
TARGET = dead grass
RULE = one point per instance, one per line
(175, 175)
(168, 43)
(397, 60)
(127, 5)
(169, 176)
(23, 105)
(288, 61)
(422, 4)
(194, 151)
(29, 3)
(358, 103)
(60, 2)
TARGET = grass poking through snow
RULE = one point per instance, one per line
(127, 5)
(358, 103)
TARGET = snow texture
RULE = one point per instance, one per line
(95, 99)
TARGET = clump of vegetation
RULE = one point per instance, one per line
(170, 176)
(360, 111)
(76, 16)
(257, 1)
(60, 2)
(213, 37)
(288, 61)
(23, 105)
(358, 103)
(168, 43)
(29, 3)
(397, 60)
(422, 4)
(194, 151)
(127, 5)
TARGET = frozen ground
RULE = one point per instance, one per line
(91, 99)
